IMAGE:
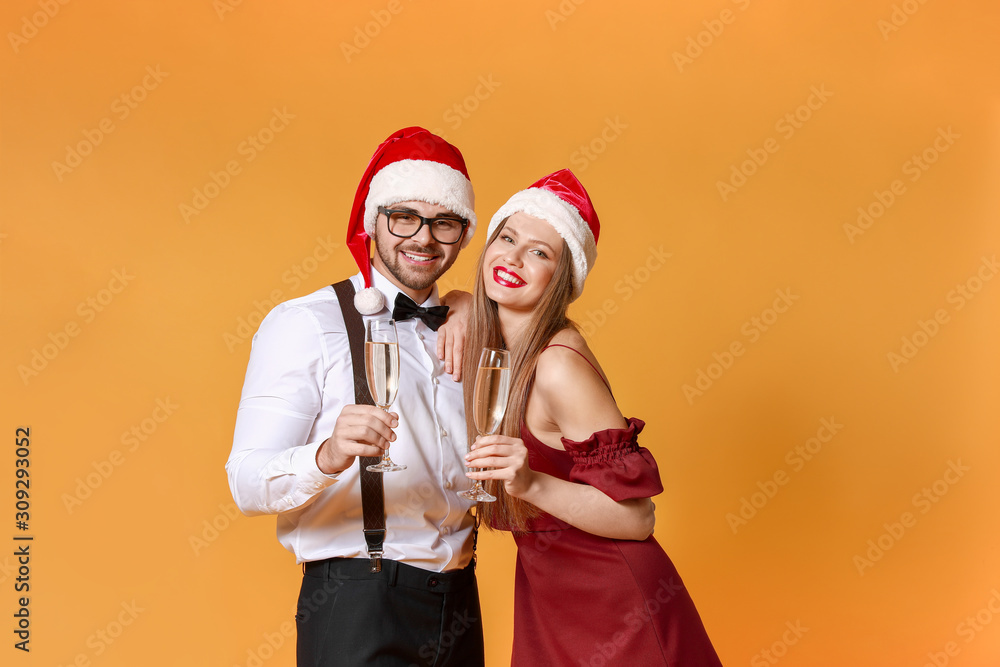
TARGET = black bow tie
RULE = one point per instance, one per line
(405, 308)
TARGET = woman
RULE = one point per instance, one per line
(592, 585)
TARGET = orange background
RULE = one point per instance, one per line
(523, 89)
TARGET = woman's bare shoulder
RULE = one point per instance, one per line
(572, 337)
(571, 389)
(568, 352)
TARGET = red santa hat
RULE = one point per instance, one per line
(411, 165)
(561, 200)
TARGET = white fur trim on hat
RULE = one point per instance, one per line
(564, 218)
(421, 180)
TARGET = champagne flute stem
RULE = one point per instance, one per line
(385, 463)
(478, 487)
(385, 452)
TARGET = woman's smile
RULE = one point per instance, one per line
(507, 278)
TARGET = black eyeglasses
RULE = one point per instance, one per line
(405, 224)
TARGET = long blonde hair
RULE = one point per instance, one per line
(547, 319)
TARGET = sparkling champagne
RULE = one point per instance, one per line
(489, 402)
(490, 399)
(382, 369)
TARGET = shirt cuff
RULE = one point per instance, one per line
(303, 461)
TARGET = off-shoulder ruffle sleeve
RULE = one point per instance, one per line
(612, 461)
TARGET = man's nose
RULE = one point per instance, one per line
(423, 235)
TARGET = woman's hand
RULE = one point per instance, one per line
(451, 334)
(503, 458)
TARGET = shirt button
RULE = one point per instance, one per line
(420, 336)
(446, 531)
(448, 484)
(444, 433)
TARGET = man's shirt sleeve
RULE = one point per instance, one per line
(272, 467)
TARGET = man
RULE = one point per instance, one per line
(406, 596)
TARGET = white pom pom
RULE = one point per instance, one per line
(369, 301)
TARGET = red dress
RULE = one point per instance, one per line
(580, 599)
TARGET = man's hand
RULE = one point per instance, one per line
(361, 430)
(451, 334)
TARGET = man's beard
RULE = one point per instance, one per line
(410, 277)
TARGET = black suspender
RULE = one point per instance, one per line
(372, 497)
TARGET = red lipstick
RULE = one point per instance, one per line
(500, 276)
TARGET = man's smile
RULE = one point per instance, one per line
(419, 257)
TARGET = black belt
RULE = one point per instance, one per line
(393, 573)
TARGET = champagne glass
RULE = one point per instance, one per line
(489, 403)
(382, 371)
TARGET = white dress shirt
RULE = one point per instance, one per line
(298, 380)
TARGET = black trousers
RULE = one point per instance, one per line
(400, 617)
